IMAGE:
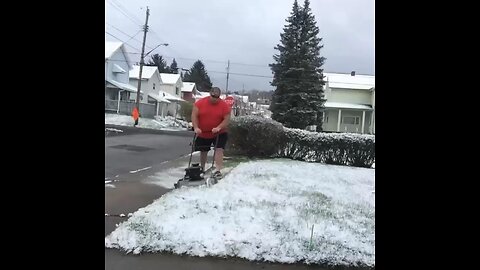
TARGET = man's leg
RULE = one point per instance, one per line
(203, 159)
(220, 147)
(219, 159)
(203, 145)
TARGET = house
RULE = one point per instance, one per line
(150, 86)
(350, 103)
(171, 89)
(189, 91)
(200, 95)
(117, 66)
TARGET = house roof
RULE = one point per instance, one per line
(347, 81)
(112, 46)
(199, 94)
(169, 96)
(123, 86)
(158, 98)
(168, 78)
(147, 72)
(340, 105)
(188, 86)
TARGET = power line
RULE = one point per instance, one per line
(215, 61)
(264, 76)
(106, 32)
(131, 37)
(124, 14)
(139, 31)
(128, 12)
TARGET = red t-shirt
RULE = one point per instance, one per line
(211, 115)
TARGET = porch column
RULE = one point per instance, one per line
(371, 123)
(158, 107)
(363, 122)
(118, 106)
(339, 119)
(176, 109)
(119, 97)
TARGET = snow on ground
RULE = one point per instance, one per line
(167, 178)
(162, 123)
(263, 210)
(114, 130)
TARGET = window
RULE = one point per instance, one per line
(351, 120)
(153, 86)
(176, 90)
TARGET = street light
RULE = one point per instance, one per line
(142, 62)
(163, 44)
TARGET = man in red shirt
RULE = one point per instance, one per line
(210, 116)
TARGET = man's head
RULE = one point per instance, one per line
(215, 94)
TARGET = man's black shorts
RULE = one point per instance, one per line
(202, 144)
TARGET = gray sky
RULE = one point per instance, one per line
(244, 32)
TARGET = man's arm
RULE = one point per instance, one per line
(223, 124)
(225, 121)
(195, 119)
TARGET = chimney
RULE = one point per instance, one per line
(353, 73)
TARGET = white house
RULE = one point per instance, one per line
(117, 66)
(150, 86)
(171, 89)
(350, 103)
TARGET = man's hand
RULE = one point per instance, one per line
(198, 131)
(216, 130)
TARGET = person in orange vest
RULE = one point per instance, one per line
(135, 115)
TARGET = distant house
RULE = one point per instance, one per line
(171, 89)
(350, 103)
(150, 86)
(200, 95)
(117, 66)
(189, 91)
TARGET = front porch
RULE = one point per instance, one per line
(351, 118)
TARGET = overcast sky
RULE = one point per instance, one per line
(244, 32)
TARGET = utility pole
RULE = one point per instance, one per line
(145, 30)
(228, 73)
(242, 105)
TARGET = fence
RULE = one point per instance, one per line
(126, 108)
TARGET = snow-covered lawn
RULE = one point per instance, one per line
(273, 210)
(162, 123)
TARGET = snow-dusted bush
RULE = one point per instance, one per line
(262, 137)
(255, 136)
(332, 148)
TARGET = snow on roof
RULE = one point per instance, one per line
(202, 94)
(118, 69)
(347, 81)
(123, 86)
(147, 72)
(111, 47)
(158, 98)
(168, 78)
(188, 86)
(340, 105)
(169, 96)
